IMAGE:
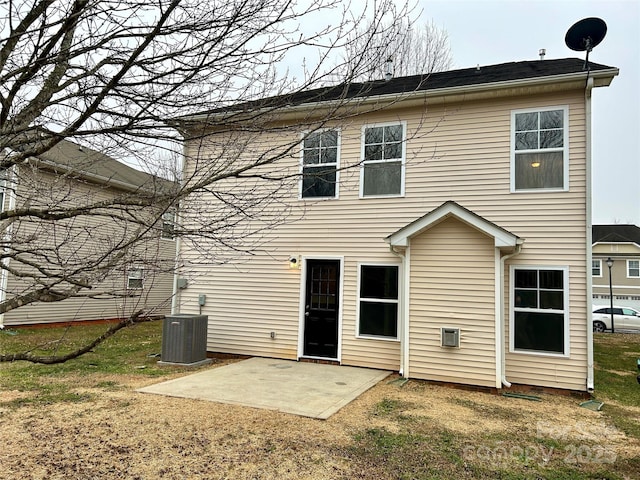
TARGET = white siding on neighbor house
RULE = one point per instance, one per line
(453, 285)
(458, 152)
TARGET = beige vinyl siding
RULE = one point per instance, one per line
(154, 297)
(605, 250)
(458, 152)
(452, 285)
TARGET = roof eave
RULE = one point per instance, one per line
(569, 80)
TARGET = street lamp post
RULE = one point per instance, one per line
(610, 264)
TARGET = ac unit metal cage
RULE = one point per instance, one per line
(184, 339)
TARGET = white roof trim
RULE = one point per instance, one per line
(615, 243)
(502, 238)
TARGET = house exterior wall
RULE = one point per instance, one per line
(453, 285)
(39, 187)
(626, 290)
(454, 151)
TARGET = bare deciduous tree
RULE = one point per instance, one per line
(400, 49)
(115, 76)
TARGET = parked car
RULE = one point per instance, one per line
(624, 318)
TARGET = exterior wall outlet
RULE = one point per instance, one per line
(273, 335)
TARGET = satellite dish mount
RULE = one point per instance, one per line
(585, 35)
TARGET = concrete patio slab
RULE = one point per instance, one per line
(306, 389)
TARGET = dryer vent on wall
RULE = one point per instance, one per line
(450, 337)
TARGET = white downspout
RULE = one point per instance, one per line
(501, 338)
(404, 334)
(587, 101)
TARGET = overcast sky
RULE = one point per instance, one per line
(487, 32)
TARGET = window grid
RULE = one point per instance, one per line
(383, 165)
(539, 310)
(135, 279)
(320, 158)
(539, 149)
(633, 268)
(168, 225)
(596, 268)
(378, 303)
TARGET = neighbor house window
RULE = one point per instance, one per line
(320, 155)
(383, 155)
(135, 278)
(596, 268)
(633, 268)
(3, 187)
(378, 301)
(168, 225)
(539, 149)
(539, 317)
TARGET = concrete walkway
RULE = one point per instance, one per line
(306, 389)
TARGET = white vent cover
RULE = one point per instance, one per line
(450, 337)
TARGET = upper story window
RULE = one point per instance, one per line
(320, 159)
(633, 268)
(539, 149)
(596, 268)
(383, 160)
(539, 314)
(3, 186)
(168, 225)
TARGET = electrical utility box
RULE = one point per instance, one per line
(184, 340)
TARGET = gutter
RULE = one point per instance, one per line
(376, 100)
(404, 334)
(587, 105)
(501, 336)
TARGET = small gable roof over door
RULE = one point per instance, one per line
(503, 239)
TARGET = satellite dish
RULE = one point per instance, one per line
(585, 35)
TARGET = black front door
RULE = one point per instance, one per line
(321, 309)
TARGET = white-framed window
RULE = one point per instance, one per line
(378, 301)
(633, 268)
(168, 225)
(3, 187)
(383, 160)
(596, 268)
(135, 278)
(540, 149)
(320, 163)
(539, 301)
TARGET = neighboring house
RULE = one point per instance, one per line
(620, 243)
(456, 249)
(139, 278)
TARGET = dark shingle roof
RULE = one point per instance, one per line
(616, 233)
(483, 75)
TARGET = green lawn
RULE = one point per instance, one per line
(615, 357)
(407, 434)
(130, 352)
